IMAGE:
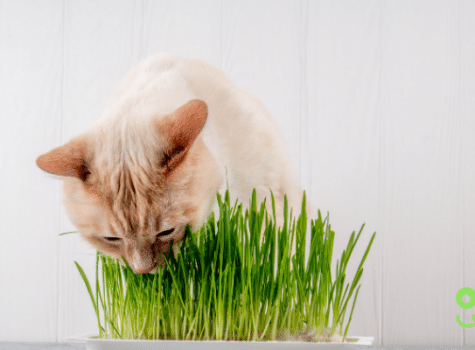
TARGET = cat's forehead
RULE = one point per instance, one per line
(134, 196)
(123, 142)
(134, 216)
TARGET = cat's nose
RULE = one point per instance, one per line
(141, 261)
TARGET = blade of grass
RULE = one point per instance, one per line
(89, 290)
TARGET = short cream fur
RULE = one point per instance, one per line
(175, 132)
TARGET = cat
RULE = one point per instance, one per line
(174, 133)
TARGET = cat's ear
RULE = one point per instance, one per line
(66, 160)
(181, 128)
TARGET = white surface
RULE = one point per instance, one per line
(375, 98)
(124, 344)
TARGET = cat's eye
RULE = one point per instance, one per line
(112, 239)
(166, 232)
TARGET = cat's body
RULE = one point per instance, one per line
(171, 134)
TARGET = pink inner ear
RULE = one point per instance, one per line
(182, 127)
(187, 121)
(66, 160)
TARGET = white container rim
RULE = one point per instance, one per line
(96, 343)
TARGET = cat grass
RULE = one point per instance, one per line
(226, 283)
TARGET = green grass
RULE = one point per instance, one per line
(228, 284)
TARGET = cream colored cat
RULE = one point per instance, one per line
(154, 162)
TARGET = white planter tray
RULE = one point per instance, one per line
(94, 343)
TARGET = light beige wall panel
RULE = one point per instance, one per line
(467, 158)
(183, 28)
(30, 112)
(422, 242)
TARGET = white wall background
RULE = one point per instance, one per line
(376, 99)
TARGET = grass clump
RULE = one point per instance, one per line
(229, 284)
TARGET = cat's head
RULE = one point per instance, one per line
(126, 185)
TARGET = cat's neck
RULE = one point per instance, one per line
(203, 181)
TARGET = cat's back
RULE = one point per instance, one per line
(168, 72)
(239, 131)
(164, 77)
(164, 82)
